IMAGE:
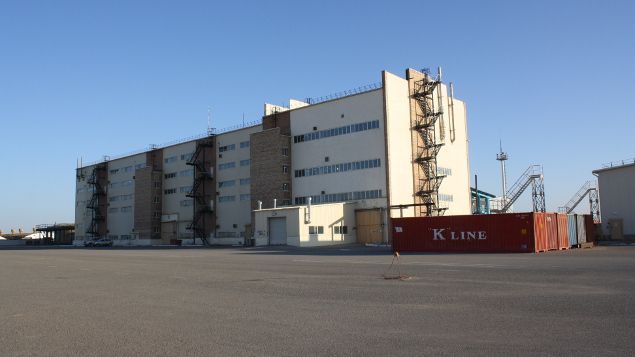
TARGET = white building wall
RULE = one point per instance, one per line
(178, 178)
(617, 198)
(233, 202)
(400, 168)
(346, 148)
(120, 197)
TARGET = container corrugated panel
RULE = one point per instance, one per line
(540, 232)
(573, 237)
(590, 227)
(551, 224)
(580, 227)
(563, 231)
(498, 233)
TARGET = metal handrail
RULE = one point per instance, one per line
(619, 163)
(212, 131)
(358, 90)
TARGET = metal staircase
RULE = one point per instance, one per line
(588, 188)
(98, 218)
(426, 116)
(532, 176)
(202, 207)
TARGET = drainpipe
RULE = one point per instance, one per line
(275, 203)
(259, 205)
(308, 220)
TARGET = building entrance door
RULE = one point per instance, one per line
(278, 231)
(369, 226)
(617, 225)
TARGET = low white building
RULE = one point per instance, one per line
(616, 184)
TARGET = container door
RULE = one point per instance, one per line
(579, 220)
(278, 230)
(617, 228)
(573, 237)
(369, 227)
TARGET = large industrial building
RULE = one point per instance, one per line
(318, 171)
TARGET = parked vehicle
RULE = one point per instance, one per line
(102, 242)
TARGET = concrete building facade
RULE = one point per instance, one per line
(363, 155)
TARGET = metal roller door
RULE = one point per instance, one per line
(278, 231)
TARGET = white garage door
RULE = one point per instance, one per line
(278, 231)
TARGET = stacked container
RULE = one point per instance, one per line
(571, 224)
(563, 231)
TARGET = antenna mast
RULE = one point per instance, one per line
(502, 157)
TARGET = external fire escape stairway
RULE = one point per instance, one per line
(533, 175)
(200, 206)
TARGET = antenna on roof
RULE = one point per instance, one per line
(243, 119)
(210, 131)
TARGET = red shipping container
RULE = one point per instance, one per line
(590, 228)
(551, 224)
(540, 232)
(563, 231)
(513, 232)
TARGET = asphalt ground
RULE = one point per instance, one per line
(300, 302)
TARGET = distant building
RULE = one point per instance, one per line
(402, 142)
(616, 183)
(483, 198)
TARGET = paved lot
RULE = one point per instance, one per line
(88, 302)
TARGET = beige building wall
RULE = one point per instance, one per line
(178, 178)
(233, 202)
(617, 199)
(121, 198)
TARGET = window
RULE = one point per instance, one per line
(156, 199)
(113, 199)
(343, 130)
(170, 175)
(316, 229)
(285, 151)
(127, 197)
(338, 197)
(188, 172)
(245, 197)
(186, 203)
(185, 189)
(285, 168)
(336, 168)
(340, 229)
(245, 181)
(113, 237)
(114, 171)
(244, 144)
(169, 191)
(113, 210)
(126, 209)
(187, 156)
(157, 184)
(228, 165)
(286, 202)
(125, 237)
(227, 148)
(170, 159)
(285, 187)
(226, 198)
(126, 183)
(127, 169)
(156, 214)
(139, 166)
(444, 171)
(445, 197)
(245, 162)
(226, 183)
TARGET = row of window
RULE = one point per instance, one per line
(125, 183)
(230, 183)
(231, 147)
(446, 197)
(444, 171)
(121, 237)
(120, 198)
(127, 169)
(182, 189)
(339, 197)
(343, 130)
(124, 209)
(329, 169)
(231, 165)
(320, 229)
(232, 198)
(171, 159)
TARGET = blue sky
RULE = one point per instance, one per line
(553, 79)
